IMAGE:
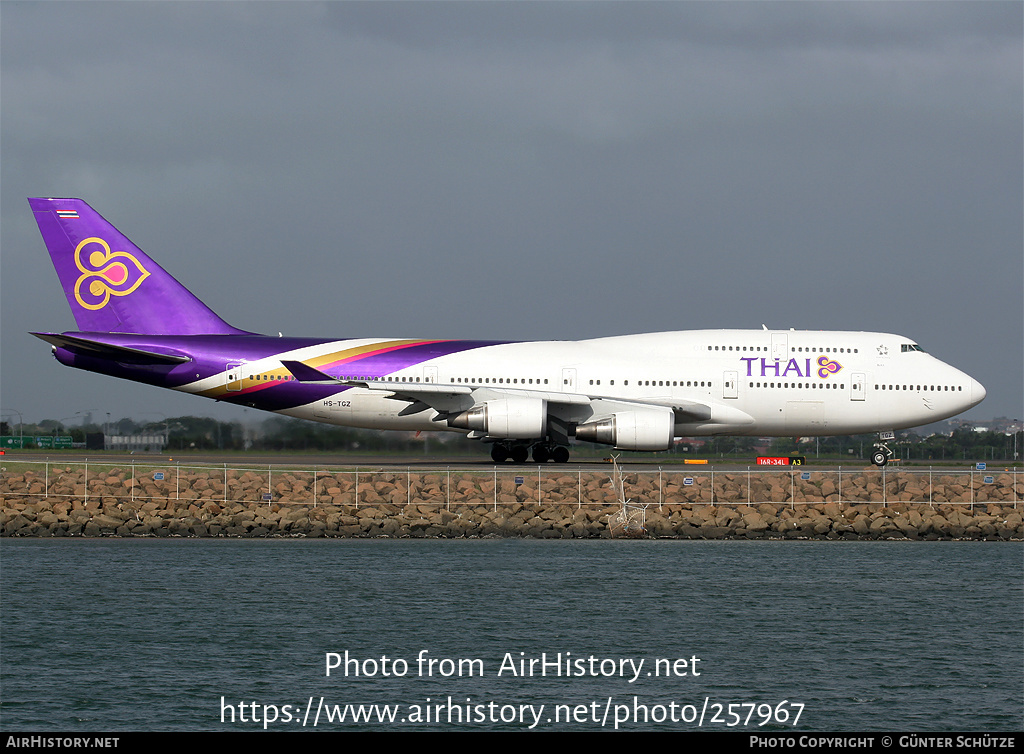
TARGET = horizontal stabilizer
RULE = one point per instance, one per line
(122, 354)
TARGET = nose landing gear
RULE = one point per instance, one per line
(882, 453)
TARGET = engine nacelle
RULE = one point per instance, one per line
(507, 418)
(639, 429)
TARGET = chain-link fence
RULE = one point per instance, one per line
(544, 485)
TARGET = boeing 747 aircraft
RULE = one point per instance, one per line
(634, 392)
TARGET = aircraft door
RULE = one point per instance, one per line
(233, 378)
(730, 385)
(430, 374)
(780, 346)
(857, 390)
(568, 380)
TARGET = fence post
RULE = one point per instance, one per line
(133, 480)
(87, 482)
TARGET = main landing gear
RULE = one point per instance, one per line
(544, 452)
(518, 452)
(501, 452)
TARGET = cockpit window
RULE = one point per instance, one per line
(911, 347)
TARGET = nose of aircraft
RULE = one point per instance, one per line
(978, 392)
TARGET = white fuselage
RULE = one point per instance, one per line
(751, 382)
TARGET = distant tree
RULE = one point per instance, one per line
(783, 446)
(723, 446)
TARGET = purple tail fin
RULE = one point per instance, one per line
(111, 285)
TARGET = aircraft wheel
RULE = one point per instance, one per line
(499, 453)
(879, 458)
(540, 454)
(560, 454)
(519, 454)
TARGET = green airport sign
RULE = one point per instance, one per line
(11, 442)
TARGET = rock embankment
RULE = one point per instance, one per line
(72, 501)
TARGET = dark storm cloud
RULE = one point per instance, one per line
(528, 170)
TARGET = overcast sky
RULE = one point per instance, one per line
(524, 171)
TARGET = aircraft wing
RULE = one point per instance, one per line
(689, 412)
(442, 398)
(422, 390)
(446, 399)
(305, 373)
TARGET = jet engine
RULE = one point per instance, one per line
(512, 418)
(644, 428)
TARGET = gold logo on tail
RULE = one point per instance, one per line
(105, 273)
